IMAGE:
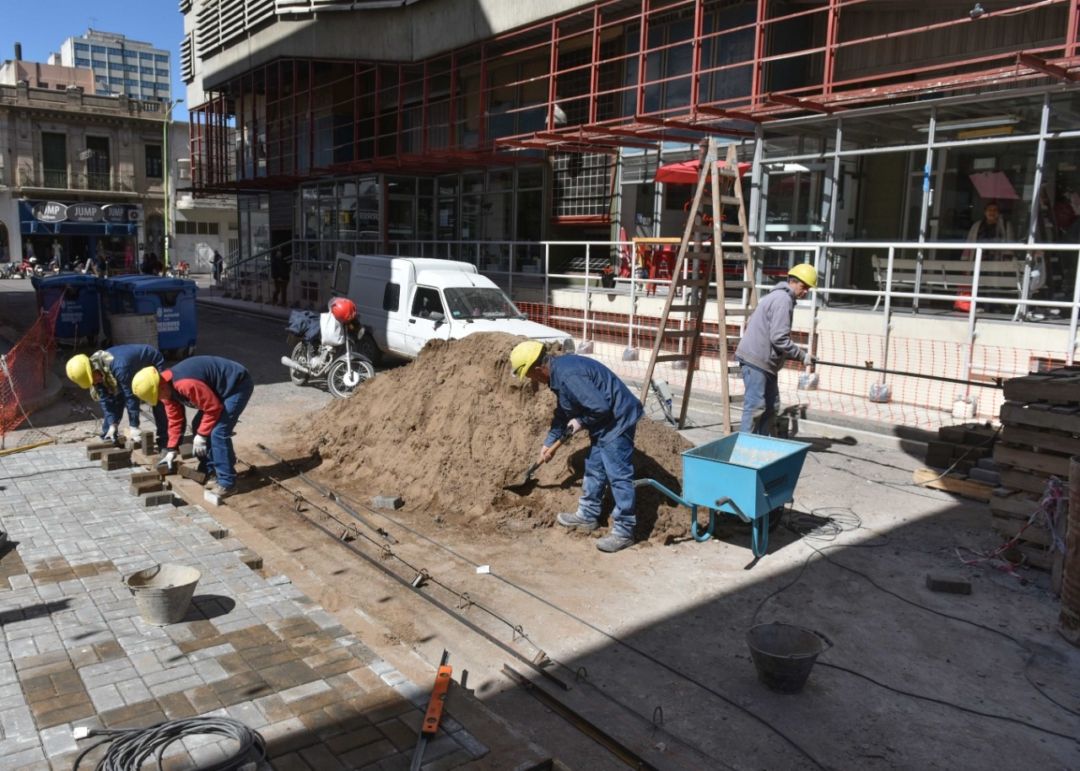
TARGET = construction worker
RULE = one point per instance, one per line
(766, 343)
(219, 390)
(591, 397)
(108, 376)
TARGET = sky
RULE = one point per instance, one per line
(41, 28)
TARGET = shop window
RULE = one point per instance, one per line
(153, 161)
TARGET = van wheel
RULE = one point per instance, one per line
(369, 350)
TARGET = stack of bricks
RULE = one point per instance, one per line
(966, 452)
(1040, 431)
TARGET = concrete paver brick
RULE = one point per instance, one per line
(368, 754)
(106, 697)
(304, 691)
(319, 756)
(58, 740)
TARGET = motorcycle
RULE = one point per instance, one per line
(327, 349)
(28, 268)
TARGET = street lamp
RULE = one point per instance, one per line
(166, 170)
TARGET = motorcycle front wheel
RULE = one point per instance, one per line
(299, 355)
(337, 377)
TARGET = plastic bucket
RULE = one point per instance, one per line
(163, 593)
(784, 654)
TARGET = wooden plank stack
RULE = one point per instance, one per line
(1040, 431)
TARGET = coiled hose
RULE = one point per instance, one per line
(130, 748)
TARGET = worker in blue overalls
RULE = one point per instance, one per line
(591, 397)
(107, 375)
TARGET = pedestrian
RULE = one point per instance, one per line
(218, 389)
(280, 267)
(991, 227)
(108, 376)
(150, 265)
(591, 397)
(97, 265)
(216, 264)
(765, 345)
(57, 256)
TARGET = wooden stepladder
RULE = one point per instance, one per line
(716, 233)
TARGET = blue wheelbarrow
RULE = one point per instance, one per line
(742, 475)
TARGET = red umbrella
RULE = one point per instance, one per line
(686, 172)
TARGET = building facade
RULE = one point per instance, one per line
(120, 65)
(547, 121)
(80, 174)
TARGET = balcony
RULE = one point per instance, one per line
(55, 178)
(59, 179)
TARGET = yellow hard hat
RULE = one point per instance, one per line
(524, 356)
(145, 385)
(805, 273)
(79, 371)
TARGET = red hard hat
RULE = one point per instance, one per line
(343, 308)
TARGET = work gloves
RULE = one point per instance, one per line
(201, 447)
(809, 359)
(573, 427)
(110, 435)
(168, 460)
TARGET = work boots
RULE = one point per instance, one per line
(613, 542)
(576, 521)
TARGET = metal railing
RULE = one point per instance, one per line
(532, 271)
(60, 179)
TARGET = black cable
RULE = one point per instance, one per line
(945, 703)
(128, 749)
(1016, 641)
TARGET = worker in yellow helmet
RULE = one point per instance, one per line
(765, 345)
(592, 397)
(107, 375)
(218, 389)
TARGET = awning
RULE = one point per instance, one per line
(686, 172)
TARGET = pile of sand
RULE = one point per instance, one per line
(449, 431)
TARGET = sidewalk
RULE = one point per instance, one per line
(75, 652)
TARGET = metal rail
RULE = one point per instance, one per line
(590, 729)
(416, 589)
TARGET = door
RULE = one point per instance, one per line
(98, 163)
(427, 320)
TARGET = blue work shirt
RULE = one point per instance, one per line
(126, 361)
(592, 393)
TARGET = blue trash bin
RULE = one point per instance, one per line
(80, 298)
(170, 300)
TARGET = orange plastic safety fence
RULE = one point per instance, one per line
(25, 368)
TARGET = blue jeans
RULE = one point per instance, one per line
(761, 401)
(222, 458)
(610, 463)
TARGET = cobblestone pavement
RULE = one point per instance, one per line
(74, 650)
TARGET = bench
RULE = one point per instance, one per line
(997, 276)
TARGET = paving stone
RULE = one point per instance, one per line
(368, 754)
(58, 740)
(399, 734)
(319, 756)
(287, 736)
(304, 691)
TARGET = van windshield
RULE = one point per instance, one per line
(480, 303)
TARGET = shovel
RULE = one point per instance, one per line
(528, 482)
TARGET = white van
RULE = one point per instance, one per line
(406, 301)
